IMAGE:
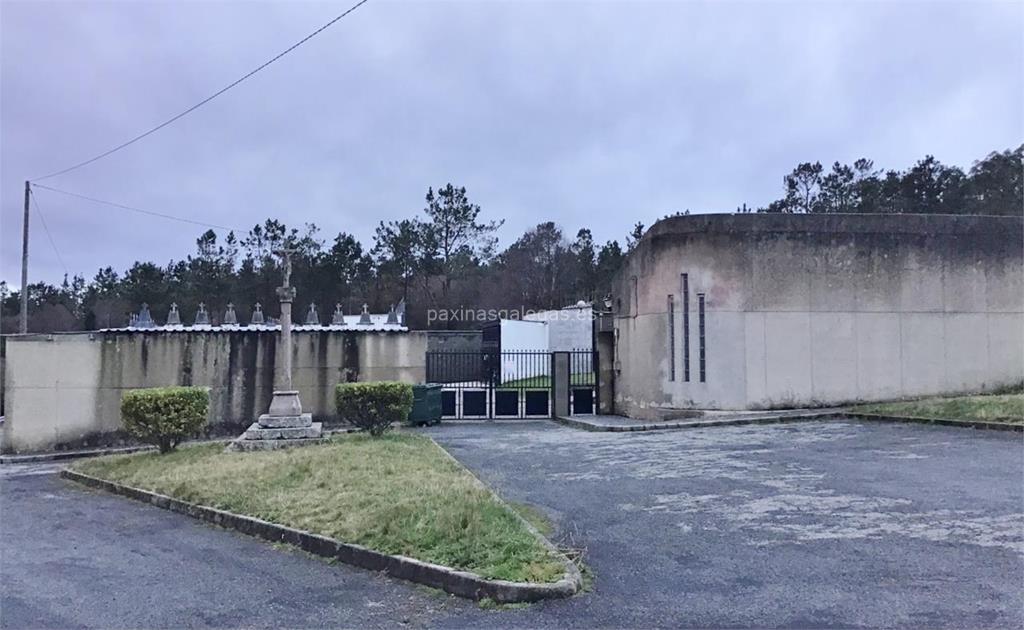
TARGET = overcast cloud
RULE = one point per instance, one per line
(588, 114)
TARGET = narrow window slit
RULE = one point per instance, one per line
(636, 296)
(700, 328)
(686, 327)
(671, 338)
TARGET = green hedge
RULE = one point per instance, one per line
(373, 406)
(165, 416)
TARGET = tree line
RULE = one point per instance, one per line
(447, 256)
(992, 186)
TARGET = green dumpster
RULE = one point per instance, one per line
(426, 405)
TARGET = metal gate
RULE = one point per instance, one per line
(512, 384)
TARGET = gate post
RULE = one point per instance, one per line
(604, 372)
(560, 386)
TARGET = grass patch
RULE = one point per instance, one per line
(398, 494)
(534, 517)
(544, 381)
(1005, 408)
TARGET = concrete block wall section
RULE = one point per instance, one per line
(454, 341)
(61, 389)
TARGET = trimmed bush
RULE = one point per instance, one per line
(374, 406)
(164, 416)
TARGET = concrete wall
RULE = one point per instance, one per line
(569, 328)
(606, 372)
(454, 341)
(66, 389)
(820, 309)
(523, 336)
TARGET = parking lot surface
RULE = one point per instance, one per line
(812, 524)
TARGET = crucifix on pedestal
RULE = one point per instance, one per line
(284, 424)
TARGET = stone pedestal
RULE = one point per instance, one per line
(283, 426)
(284, 404)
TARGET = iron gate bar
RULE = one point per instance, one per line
(512, 383)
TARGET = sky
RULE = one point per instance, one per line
(589, 114)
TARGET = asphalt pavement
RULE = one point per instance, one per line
(811, 524)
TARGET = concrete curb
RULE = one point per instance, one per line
(831, 414)
(572, 572)
(54, 456)
(696, 424)
(492, 421)
(64, 455)
(461, 583)
(964, 424)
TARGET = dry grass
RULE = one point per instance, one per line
(1008, 408)
(399, 494)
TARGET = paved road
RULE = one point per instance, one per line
(795, 525)
(76, 558)
(809, 524)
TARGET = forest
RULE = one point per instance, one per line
(447, 255)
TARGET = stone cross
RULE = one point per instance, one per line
(257, 314)
(364, 317)
(174, 318)
(230, 319)
(202, 317)
(286, 293)
(284, 424)
(144, 319)
(339, 316)
(312, 317)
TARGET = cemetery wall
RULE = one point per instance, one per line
(64, 390)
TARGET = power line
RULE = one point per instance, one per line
(207, 99)
(141, 211)
(46, 229)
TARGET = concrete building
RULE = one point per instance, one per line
(569, 328)
(758, 311)
(518, 335)
(513, 340)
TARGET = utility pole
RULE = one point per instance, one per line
(24, 263)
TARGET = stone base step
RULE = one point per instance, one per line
(268, 421)
(257, 432)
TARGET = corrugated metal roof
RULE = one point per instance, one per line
(378, 324)
(263, 328)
